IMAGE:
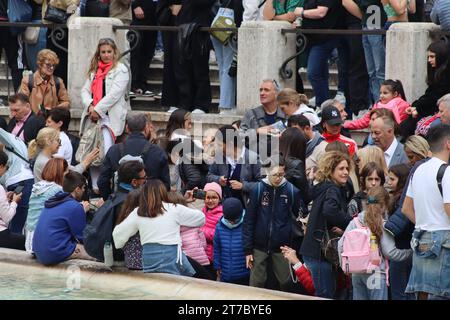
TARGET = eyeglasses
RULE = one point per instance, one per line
(143, 178)
(275, 83)
(278, 175)
(49, 66)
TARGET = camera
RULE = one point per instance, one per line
(18, 190)
(200, 194)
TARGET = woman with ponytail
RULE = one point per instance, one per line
(373, 286)
(293, 103)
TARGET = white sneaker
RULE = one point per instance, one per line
(198, 111)
(159, 55)
(340, 96)
(312, 102)
(361, 114)
(172, 109)
(212, 57)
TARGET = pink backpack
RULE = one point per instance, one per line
(356, 255)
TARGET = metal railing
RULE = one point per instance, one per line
(133, 36)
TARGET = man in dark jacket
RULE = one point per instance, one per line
(268, 226)
(137, 144)
(24, 123)
(144, 13)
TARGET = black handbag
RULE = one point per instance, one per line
(329, 247)
(95, 8)
(55, 15)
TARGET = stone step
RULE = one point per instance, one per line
(154, 104)
(157, 69)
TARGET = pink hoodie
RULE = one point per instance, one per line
(194, 244)
(212, 217)
(397, 106)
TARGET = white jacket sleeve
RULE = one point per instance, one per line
(251, 10)
(389, 249)
(189, 217)
(125, 230)
(7, 209)
(117, 91)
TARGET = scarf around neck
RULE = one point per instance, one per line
(97, 83)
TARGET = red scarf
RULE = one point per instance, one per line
(97, 83)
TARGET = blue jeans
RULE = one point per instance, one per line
(399, 272)
(32, 50)
(224, 56)
(323, 277)
(375, 53)
(318, 72)
(369, 286)
(163, 258)
(17, 223)
(431, 263)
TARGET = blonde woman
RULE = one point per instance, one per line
(293, 103)
(328, 215)
(42, 149)
(45, 90)
(103, 96)
(371, 154)
(416, 148)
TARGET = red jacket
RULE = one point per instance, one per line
(212, 217)
(350, 143)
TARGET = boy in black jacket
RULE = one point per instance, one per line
(268, 226)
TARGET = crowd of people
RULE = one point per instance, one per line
(283, 199)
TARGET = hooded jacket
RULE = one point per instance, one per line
(59, 228)
(268, 219)
(229, 254)
(330, 207)
(212, 217)
(41, 192)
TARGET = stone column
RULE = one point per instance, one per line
(262, 50)
(406, 56)
(84, 34)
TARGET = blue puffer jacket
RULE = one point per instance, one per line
(229, 253)
(398, 224)
(268, 222)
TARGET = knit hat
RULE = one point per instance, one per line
(212, 186)
(232, 209)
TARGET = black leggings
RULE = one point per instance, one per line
(12, 240)
(201, 272)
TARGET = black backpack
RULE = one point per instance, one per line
(100, 229)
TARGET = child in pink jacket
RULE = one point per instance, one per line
(213, 212)
(392, 97)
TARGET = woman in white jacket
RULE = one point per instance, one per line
(158, 222)
(103, 96)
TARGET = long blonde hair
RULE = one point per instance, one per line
(44, 138)
(371, 154)
(377, 204)
(94, 61)
(328, 162)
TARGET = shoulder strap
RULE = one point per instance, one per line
(357, 222)
(57, 84)
(440, 175)
(30, 81)
(261, 4)
(11, 149)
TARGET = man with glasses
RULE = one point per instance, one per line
(268, 225)
(131, 176)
